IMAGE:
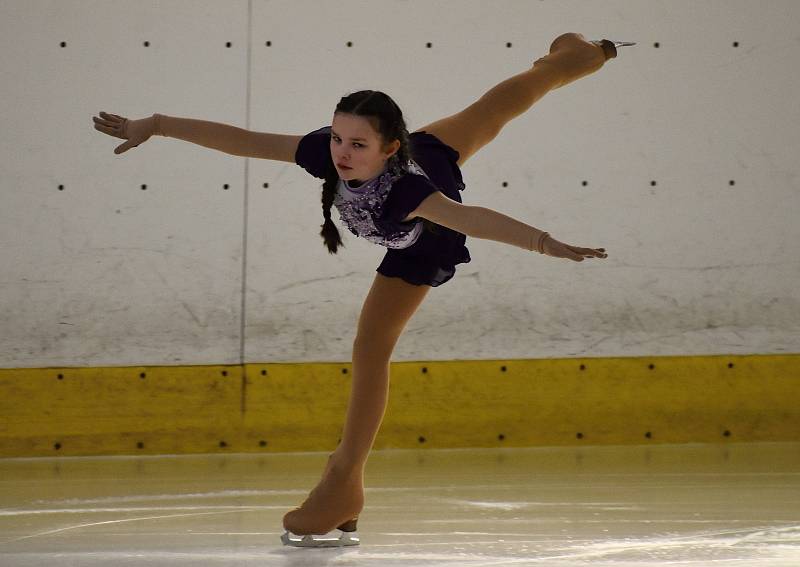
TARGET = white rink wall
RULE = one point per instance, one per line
(679, 157)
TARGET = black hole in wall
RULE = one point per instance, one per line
(653, 183)
(726, 433)
(501, 437)
(349, 44)
(730, 365)
(344, 370)
(505, 183)
(731, 182)
(263, 372)
(429, 45)
(508, 44)
(223, 444)
(225, 187)
(60, 187)
(147, 44)
(579, 435)
(143, 375)
(266, 185)
(736, 44)
(656, 45)
(585, 183)
(63, 44)
(57, 446)
(60, 376)
(424, 370)
(224, 372)
(140, 445)
(583, 367)
(502, 369)
(651, 366)
(228, 44)
(269, 44)
(648, 435)
(144, 187)
(262, 443)
(421, 439)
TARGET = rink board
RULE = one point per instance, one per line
(439, 404)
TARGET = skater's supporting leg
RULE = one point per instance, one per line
(571, 57)
(340, 494)
(387, 309)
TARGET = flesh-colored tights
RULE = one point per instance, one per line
(339, 496)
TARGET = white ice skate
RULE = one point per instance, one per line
(344, 535)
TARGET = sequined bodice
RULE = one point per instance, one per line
(359, 209)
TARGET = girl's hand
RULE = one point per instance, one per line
(135, 131)
(553, 247)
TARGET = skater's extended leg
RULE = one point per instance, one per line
(340, 494)
(481, 122)
(571, 57)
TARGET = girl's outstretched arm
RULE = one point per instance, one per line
(480, 222)
(215, 135)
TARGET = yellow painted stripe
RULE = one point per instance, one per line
(489, 403)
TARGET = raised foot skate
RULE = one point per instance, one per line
(343, 536)
(573, 57)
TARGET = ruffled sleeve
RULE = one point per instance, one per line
(406, 195)
(314, 152)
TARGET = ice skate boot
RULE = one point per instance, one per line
(572, 57)
(343, 536)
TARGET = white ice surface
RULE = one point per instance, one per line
(690, 505)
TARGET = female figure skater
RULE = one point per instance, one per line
(401, 191)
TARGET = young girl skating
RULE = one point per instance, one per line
(399, 190)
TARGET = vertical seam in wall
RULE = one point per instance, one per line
(243, 314)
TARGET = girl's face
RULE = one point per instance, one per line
(356, 148)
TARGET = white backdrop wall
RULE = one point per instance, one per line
(680, 158)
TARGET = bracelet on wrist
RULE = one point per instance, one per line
(540, 243)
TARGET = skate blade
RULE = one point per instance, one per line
(335, 538)
(610, 47)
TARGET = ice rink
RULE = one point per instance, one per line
(732, 504)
